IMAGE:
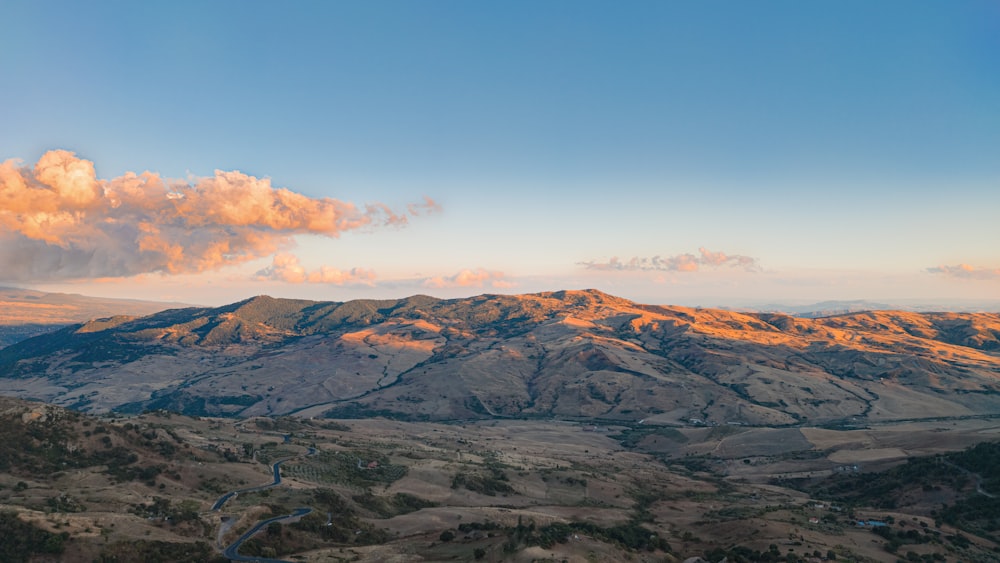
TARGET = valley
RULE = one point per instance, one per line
(493, 490)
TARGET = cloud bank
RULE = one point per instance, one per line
(966, 271)
(676, 263)
(286, 268)
(58, 221)
(470, 278)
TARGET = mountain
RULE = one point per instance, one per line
(25, 313)
(566, 354)
(824, 308)
(830, 308)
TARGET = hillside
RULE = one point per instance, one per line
(569, 354)
(161, 487)
(25, 313)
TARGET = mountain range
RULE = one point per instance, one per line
(566, 354)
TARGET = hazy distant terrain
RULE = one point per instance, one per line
(829, 308)
(571, 354)
(25, 313)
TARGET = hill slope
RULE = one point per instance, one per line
(563, 354)
(25, 313)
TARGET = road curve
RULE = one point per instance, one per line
(277, 481)
(232, 552)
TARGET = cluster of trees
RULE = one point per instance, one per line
(185, 511)
(490, 481)
(885, 489)
(978, 514)
(387, 507)
(39, 447)
(631, 535)
(334, 520)
(741, 554)
(895, 539)
(973, 472)
(20, 541)
(145, 551)
(983, 459)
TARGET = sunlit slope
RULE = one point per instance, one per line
(564, 354)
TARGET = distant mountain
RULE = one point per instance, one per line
(824, 308)
(569, 354)
(25, 312)
(830, 308)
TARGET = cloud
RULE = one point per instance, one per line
(286, 268)
(58, 221)
(471, 278)
(423, 208)
(966, 271)
(676, 263)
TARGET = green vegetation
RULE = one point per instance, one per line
(693, 463)
(191, 405)
(162, 509)
(359, 411)
(53, 443)
(489, 480)
(142, 551)
(334, 520)
(983, 459)
(387, 507)
(741, 554)
(631, 437)
(976, 511)
(269, 452)
(977, 514)
(484, 483)
(631, 535)
(357, 468)
(20, 541)
(896, 538)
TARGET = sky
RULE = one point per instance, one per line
(697, 153)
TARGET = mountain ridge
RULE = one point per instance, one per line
(572, 353)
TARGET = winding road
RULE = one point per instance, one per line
(232, 551)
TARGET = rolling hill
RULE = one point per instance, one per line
(25, 313)
(567, 354)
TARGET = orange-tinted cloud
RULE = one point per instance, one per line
(967, 272)
(59, 221)
(471, 278)
(286, 268)
(677, 263)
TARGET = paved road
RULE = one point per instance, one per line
(232, 552)
(277, 481)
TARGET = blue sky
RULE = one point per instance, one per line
(829, 150)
